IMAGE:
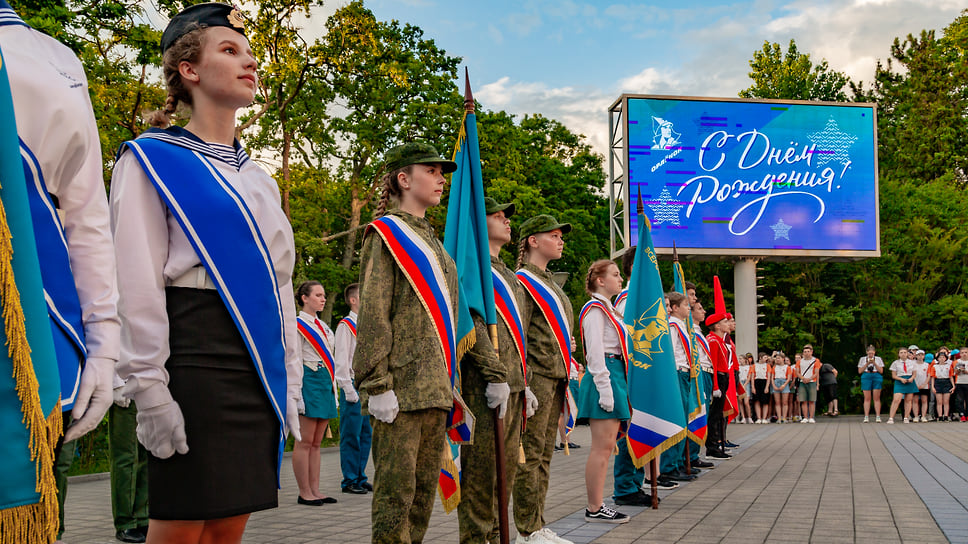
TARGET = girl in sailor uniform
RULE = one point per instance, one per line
(318, 392)
(604, 397)
(209, 344)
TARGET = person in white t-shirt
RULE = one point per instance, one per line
(923, 381)
(940, 372)
(871, 368)
(902, 370)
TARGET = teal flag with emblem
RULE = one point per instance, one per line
(658, 421)
(30, 418)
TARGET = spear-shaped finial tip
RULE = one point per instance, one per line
(468, 97)
(639, 210)
(675, 252)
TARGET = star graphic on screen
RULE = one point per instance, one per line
(781, 230)
(663, 210)
(834, 142)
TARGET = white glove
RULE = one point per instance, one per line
(94, 397)
(497, 396)
(717, 393)
(606, 400)
(161, 430)
(352, 396)
(384, 406)
(294, 407)
(530, 402)
(120, 399)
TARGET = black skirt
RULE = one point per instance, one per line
(761, 391)
(230, 468)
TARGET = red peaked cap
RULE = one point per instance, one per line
(720, 312)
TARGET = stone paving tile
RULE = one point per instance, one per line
(834, 481)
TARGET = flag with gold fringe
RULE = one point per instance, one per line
(658, 421)
(30, 413)
(466, 240)
(696, 401)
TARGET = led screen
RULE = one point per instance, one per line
(754, 178)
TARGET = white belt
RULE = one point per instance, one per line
(313, 365)
(195, 278)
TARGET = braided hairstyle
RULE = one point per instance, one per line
(305, 288)
(597, 269)
(187, 48)
(523, 249)
(391, 189)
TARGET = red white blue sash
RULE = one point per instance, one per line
(350, 324)
(621, 297)
(60, 291)
(419, 264)
(316, 340)
(703, 345)
(507, 307)
(623, 339)
(684, 339)
(553, 311)
(227, 240)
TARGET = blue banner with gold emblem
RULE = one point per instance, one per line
(658, 421)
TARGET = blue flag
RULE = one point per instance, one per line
(658, 421)
(696, 401)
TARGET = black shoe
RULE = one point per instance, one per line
(559, 447)
(678, 476)
(309, 502)
(718, 454)
(130, 535)
(606, 515)
(639, 498)
(729, 444)
(573, 446)
(692, 471)
(367, 486)
(661, 483)
(699, 463)
(354, 489)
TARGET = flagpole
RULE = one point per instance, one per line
(502, 487)
(655, 483)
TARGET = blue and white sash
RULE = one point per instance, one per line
(60, 292)
(227, 240)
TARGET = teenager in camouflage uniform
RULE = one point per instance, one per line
(399, 362)
(478, 510)
(540, 243)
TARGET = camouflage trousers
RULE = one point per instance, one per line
(477, 513)
(406, 460)
(538, 439)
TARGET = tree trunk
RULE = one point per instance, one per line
(286, 182)
(356, 210)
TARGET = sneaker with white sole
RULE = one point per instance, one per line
(878, 420)
(867, 419)
(811, 420)
(542, 536)
(804, 421)
(606, 515)
(890, 421)
(906, 420)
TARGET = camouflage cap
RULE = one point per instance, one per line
(201, 16)
(416, 153)
(542, 223)
(492, 206)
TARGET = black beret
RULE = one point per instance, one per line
(202, 16)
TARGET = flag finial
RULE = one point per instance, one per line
(468, 97)
(638, 203)
(675, 252)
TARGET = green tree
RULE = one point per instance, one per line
(793, 76)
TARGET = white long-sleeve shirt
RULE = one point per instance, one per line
(704, 360)
(599, 337)
(152, 250)
(678, 349)
(56, 121)
(345, 346)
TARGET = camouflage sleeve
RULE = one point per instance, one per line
(374, 334)
(483, 356)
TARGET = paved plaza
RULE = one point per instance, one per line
(838, 480)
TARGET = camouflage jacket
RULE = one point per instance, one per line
(506, 349)
(396, 346)
(543, 353)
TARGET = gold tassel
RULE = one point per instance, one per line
(466, 344)
(521, 459)
(567, 449)
(36, 522)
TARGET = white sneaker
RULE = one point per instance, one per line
(878, 420)
(804, 421)
(542, 536)
(906, 420)
(924, 419)
(867, 419)
(890, 421)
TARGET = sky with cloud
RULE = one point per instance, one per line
(571, 60)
